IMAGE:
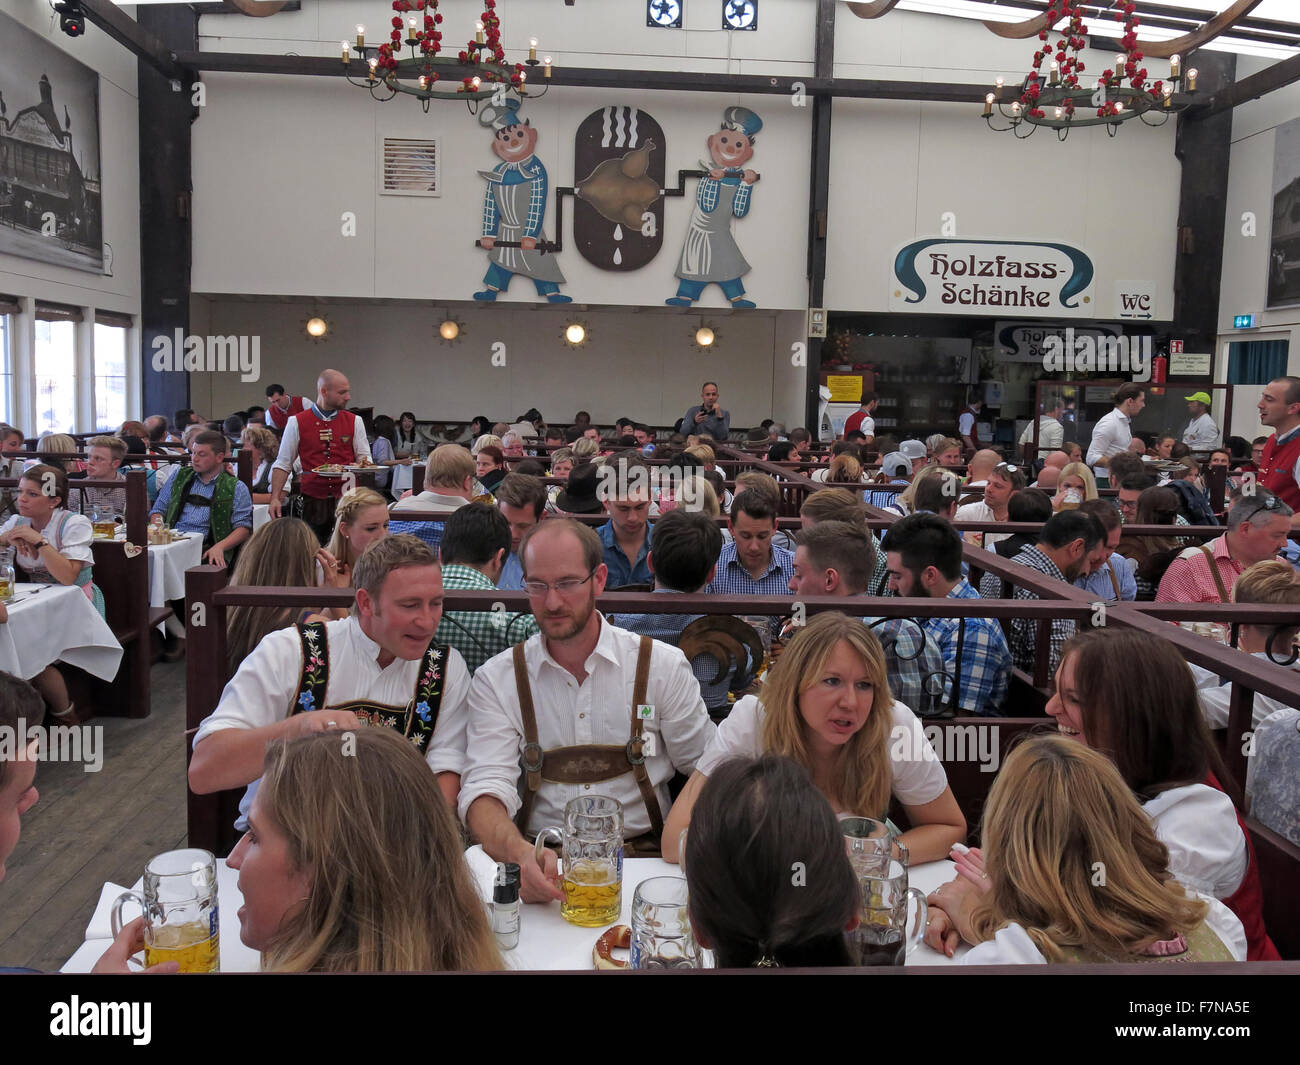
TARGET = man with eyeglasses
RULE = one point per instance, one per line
(1130, 488)
(555, 712)
(1004, 480)
(1258, 523)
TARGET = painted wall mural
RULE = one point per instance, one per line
(710, 254)
(618, 214)
(514, 208)
(49, 180)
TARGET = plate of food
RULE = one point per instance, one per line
(332, 469)
(363, 464)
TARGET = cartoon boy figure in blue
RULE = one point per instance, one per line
(710, 254)
(513, 208)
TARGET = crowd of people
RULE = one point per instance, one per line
(760, 731)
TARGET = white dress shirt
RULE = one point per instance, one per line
(1051, 434)
(1207, 849)
(979, 511)
(1110, 436)
(1201, 433)
(569, 714)
(918, 775)
(289, 442)
(1215, 697)
(266, 686)
(1011, 944)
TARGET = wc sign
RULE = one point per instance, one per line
(1135, 299)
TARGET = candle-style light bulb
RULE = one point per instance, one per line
(411, 24)
(344, 46)
(1175, 65)
(1058, 114)
(547, 64)
(532, 49)
(997, 85)
(1191, 79)
(361, 36)
(988, 105)
(1055, 72)
(478, 32)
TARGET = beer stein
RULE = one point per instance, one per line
(882, 938)
(662, 937)
(591, 863)
(870, 843)
(7, 575)
(180, 911)
(104, 523)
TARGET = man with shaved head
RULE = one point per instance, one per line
(979, 467)
(1059, 459)
(324, 434)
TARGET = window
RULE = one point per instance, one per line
(6, 371)
(1256, 362)
(56, 376)
(110, 376)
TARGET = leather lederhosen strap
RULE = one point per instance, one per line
(1114, 581)
(588, 763)
(416, 721)
(1218, 577)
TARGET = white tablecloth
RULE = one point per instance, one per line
(401, 480)
(56, 623)
(167, 566)
(261, 515)
(546, 940)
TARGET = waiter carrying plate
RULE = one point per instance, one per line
(327, 438)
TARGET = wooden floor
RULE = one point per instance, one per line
(88, 828)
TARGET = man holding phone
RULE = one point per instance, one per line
(708, 416)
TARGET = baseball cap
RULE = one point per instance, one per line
(1198, 397)
(896, 464)
(913, 449)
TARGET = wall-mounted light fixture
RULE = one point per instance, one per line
(317, 328)
(576, 334)
(706, 338)
(451, 331)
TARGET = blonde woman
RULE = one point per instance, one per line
(486, 440)
(265, 446)
(585, 450)
(1076, 485)
(826, 704)
(56, 444)
(844, 468)
(281, 554)
(1057, 813)
(353, 863)
(360, 519)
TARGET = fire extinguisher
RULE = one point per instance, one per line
(1158, 367)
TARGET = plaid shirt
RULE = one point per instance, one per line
(1024, 634)
(985, 657)
(479, 634)
(733, 579)
(1189, 579)
(914, 665)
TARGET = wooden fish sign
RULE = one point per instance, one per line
(619, 159)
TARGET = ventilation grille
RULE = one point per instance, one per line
(409, 167)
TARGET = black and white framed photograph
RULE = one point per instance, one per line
(50, 206)
(1284, 240)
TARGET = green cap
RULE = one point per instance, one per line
(1198, 397)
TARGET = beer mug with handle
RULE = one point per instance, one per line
(870, 843)
(591, 865)
(180, 911)
(662, 937)
(882, 938)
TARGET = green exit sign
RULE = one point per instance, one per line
(1243, 321)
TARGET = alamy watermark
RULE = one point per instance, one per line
(1092, 354)
(616, 482)
(981, 744)
(210, 354)
(58, 743)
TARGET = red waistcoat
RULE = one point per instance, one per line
(1277, 470)
(321, 442)
(1247, 902)
(278, 419)
(974, 426)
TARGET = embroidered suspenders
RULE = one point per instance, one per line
(416, 721)
(588, 763)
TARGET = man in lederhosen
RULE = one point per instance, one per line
(323, 434)
(514, 207)
(378, 666)
(582, 708)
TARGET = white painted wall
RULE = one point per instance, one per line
(896, 167)
(639, 365)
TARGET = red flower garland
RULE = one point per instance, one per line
(1066, 54)
(428, 39)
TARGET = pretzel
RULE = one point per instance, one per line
(602, 953)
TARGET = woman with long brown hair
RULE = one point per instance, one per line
(1131, 696)
(1071, 871)
(353, 863)
(826, 704)
(281, 554)
(1156, 506)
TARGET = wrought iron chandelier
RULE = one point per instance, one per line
(1056, 98)
(481, 64)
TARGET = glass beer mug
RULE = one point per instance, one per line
(591, 866)
(870, 843)
(104, 523)
(662, 937)
(7, 576)
(882, 938)
(180, 911)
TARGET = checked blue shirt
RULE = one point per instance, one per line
(1024, 634)
(985, 657)
(733, 579)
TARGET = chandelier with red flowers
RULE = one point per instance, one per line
(1057, 99)
(481, 65)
